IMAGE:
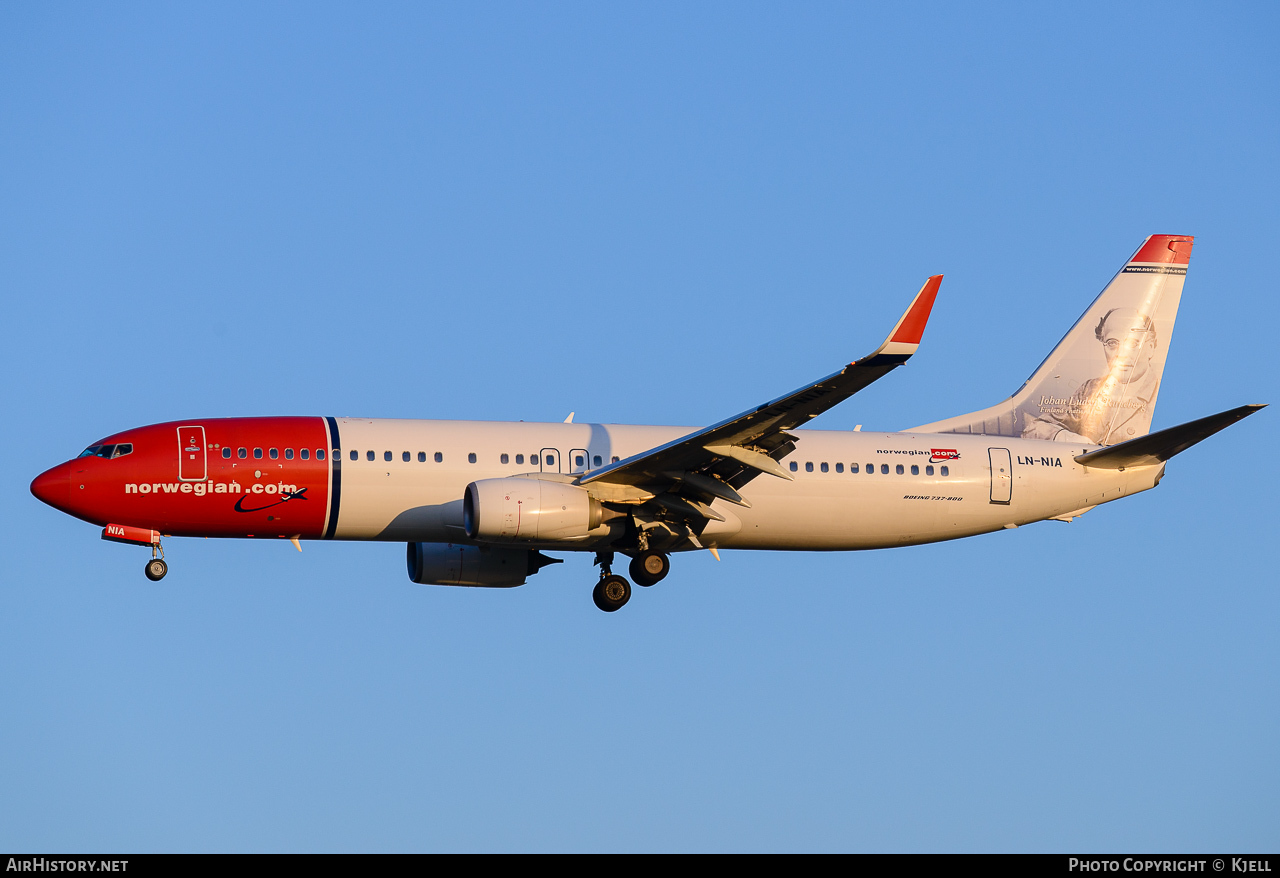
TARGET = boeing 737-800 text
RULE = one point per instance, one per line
(478, 503)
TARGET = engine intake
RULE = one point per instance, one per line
(529, 510)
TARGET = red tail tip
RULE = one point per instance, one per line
(1165, 249)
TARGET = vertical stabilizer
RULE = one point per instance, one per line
(1099, 385)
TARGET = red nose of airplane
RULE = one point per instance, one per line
(54, 486)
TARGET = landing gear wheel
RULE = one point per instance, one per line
(156, 569)
(611, 593)
(649, 568)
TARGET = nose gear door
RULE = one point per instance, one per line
(192, 460)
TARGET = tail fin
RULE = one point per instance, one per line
(1099, 385)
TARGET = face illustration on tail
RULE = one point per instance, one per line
(1112, 404)
(1099, 385)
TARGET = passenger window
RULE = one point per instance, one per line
(900, 469)
(871, 467)
(597, 460)
(305, 453)
(405, 457)
(550, 459)
(257, 454)
(615, 459)
(579, 460)
(808, 466)
(439, 457)
(839, 467)
(355, 455)
(288, 454)
(520, 459)
(372, 455)
(795, 467)
(386, 455)
(471, 458)
(928, 470)
(422, 457)
(337, 455)
(122, 449)
(853, 467)
(502, 458)
(533, 459)
(226, 453)
(275, 454)
(915, 470)
(945, 471)
(884, 469)
(823, 467)
(242, 453)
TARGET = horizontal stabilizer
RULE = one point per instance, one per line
(1160, 446)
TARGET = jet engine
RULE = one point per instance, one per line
(511, 510)
(480, 566)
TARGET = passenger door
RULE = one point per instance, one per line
(1001, 475)
(192, 460)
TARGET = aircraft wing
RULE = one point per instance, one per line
(715, 461)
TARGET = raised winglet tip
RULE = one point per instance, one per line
(910, 328)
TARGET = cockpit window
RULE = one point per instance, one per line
(108, 450)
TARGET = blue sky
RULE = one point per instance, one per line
(649, 214)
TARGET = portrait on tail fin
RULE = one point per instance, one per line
(1099, 384)
(1110, 407)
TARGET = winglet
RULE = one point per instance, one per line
(906, 335)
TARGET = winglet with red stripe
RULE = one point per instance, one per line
(906, 335)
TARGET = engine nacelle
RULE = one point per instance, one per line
(480, 566)
(533, 510)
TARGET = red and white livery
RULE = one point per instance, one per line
(479, 503)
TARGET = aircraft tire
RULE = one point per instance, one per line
(611, 593)
(156, 569)
(649, 568)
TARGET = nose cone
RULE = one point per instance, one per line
(54, 486)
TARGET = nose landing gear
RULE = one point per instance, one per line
(156, 568)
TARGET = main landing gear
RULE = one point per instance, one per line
(612, 591)
(156, 568)
(649, 568)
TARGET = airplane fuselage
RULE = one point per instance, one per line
(404, 480)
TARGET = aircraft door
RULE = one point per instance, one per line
(549, 461)
(579, 462)
(192, 462)
(1001, 475)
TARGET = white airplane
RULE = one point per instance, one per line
(479, 502)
